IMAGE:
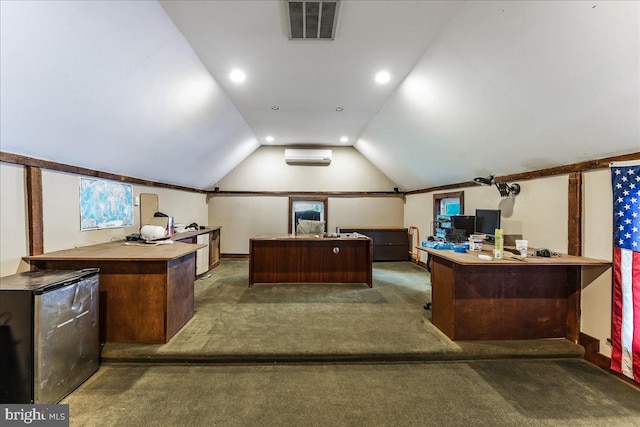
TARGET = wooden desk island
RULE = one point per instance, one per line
(309, 258)
(146, 291)
(475, 299)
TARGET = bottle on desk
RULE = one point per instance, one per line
(498, 248)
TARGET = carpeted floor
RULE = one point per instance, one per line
(319, 322)
(561, 392)
(341, 355)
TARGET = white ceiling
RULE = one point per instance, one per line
(477, 87)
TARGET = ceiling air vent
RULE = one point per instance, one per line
(306, 156)
(312, 20)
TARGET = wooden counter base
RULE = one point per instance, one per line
(294, 259)
(146, 293)
(474, 299)
(499, 302)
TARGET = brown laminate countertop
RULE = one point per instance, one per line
(121, 250)
(471, 258)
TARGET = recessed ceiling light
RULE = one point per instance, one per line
(269, 139)
(237, 76)
(344, 139)
(275, 107)
(382, 77)
(339, 109)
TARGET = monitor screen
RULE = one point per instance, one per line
(487, 220)
(464, 222)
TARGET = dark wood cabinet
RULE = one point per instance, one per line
(296, 259)
(389, 243)
(475, 299)
(146, 291)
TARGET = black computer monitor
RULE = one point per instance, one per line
(464, 222)
(487, 220)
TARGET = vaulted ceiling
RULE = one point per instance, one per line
(142, 88)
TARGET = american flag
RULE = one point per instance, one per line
(625, 329)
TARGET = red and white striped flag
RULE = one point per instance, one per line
(625, 327)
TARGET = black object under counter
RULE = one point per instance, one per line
(48, 334)
(389, 243)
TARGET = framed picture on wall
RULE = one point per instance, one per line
(105, 204)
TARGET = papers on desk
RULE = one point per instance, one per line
(507, 256)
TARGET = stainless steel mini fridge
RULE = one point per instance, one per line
(48, 334)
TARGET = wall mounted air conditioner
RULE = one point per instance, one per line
(307, 156)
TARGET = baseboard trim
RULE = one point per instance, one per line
(592, 355)
(234, 256)
(592, 351)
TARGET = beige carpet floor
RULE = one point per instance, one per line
(535, 392)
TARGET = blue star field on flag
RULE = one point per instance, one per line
(626, 207)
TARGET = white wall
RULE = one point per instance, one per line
(539, 213)
(266, 170)
(418, 212)
(61, 214)
(242, 217)
(365, 211)
(82, 74)
(13, 219)
(597, 241)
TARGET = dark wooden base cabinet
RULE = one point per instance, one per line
(295, 259)
(389, 243)
(494, 303)
(474, 299)
(146, 293)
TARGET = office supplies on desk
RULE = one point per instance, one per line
(475, 242)
(153, 232)
(498, 249)
(522, 246)
(437, 245)
(543, 252)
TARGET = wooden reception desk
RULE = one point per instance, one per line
(474, 299)
(146, 292)
(310, 258)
